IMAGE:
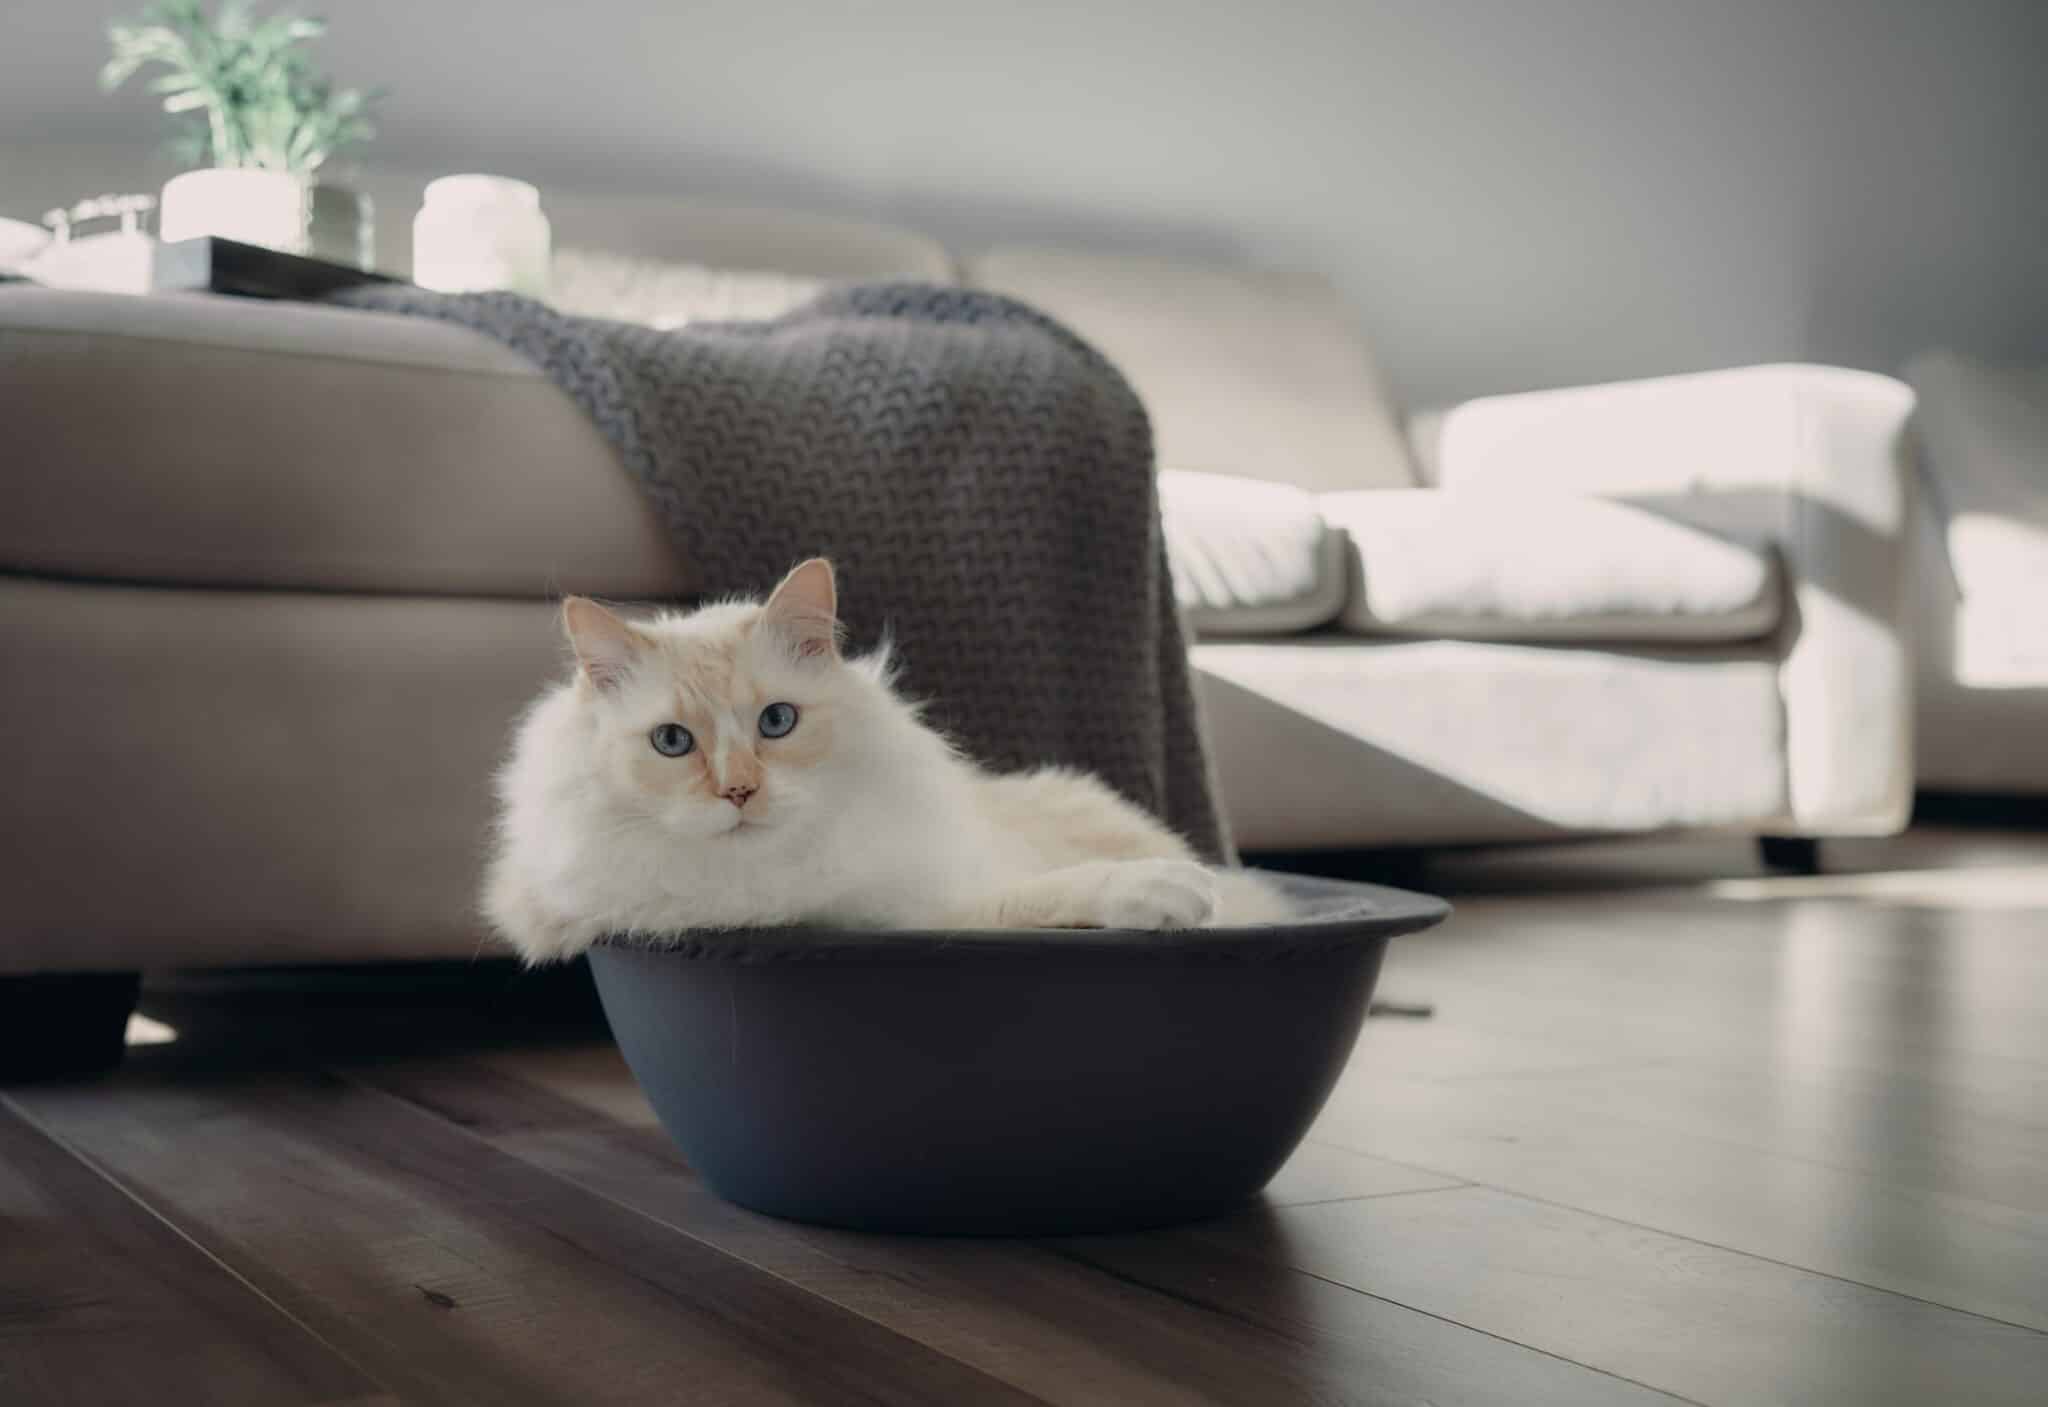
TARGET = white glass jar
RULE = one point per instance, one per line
(476, 233)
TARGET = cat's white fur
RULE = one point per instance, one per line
(861, 816)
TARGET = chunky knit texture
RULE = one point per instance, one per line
(981, 476)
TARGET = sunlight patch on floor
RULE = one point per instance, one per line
(143, 1030)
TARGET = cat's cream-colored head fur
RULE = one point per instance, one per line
(716, 674)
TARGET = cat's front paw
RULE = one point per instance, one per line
(1156, 894)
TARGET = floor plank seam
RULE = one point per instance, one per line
(1123, 1276)
(1458, 1179)
(1193, 1302)
(12, 1105)
(1597, 1067)
(1455, 1184)
(1315, 1138)
(1732, 1144)
(1506, 1191)
(1750, 1149)
(1048, 1248)
(653, 1220)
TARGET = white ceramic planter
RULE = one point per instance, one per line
(271, 209)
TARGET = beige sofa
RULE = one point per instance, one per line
(278, 578)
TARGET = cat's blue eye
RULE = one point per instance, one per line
(777, 719)
(671, 739)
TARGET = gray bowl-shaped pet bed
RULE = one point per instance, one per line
(1010, 1082)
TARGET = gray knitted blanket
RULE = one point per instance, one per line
(981, 476)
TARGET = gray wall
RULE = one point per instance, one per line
(1511, 192)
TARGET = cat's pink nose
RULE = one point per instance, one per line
(738, 795)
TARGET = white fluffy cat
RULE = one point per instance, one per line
(728, 767)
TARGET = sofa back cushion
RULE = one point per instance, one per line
(828, 247)
(1249, 557)
(667, 293)
(1250, 373)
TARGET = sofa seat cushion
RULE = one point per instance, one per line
(1249, 558)
(207, 441)
(1535, 567)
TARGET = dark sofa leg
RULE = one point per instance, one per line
(64, 1023)
(1793, 854)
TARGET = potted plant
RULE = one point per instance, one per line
(263, 126)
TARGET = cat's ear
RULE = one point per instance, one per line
(606, 647)
(805, 608)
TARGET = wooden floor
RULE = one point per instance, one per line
(1665, 1138)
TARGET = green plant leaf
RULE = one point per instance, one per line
(264, 105)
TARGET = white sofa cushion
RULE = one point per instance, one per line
(1555, 567)
(1249, 558)
(1245, 372)
(666, 293)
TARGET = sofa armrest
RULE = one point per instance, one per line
(1812, 457)
(198, 440)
